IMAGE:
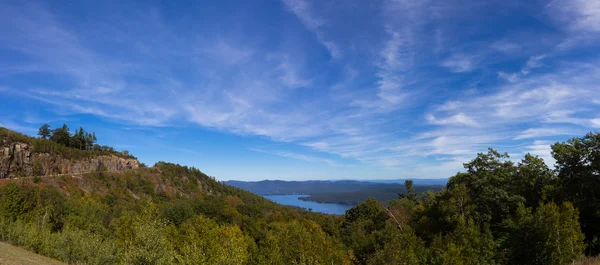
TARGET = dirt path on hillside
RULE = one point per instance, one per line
(11, 255)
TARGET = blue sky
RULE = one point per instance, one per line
(300, 89)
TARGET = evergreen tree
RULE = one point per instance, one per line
(61, 135)
(45, 131)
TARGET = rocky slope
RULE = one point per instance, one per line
(18, 160)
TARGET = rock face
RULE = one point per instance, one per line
(17, 160)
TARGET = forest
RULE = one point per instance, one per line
(496, 211)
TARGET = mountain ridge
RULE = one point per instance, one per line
(312, 187)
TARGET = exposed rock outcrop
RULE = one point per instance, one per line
(18, 160)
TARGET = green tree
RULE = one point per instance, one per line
(533, 181)
(144, 238)
(467, 243)
(410, 192)
(578, 166)
(551, 235)
(17, 201)
(45, 131)
(399, 247)
(77, 140)
(361, 227)
(301, 242)
(488, 180)
(61, 135)
(203, 241)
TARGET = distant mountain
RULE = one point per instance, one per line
(311, 187)
(280, 187)
(420, 182)
(356, 197)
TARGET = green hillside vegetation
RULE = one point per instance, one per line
(496, 212)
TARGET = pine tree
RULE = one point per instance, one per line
(45, 131)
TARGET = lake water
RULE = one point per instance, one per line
(328, 208)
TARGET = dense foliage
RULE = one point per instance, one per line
(496, 212)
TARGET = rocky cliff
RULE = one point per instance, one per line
(18, 160)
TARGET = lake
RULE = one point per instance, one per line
(328, 208)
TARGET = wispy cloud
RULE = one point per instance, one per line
(296, 156)
(582, 15)
(395, 60)
(533, 62)
(312, 22)
(543, 150)
(5, 123)
(459, 63)
(505, 46)
(542, 132)
(456, 119)
(514, 77)
(427, 85)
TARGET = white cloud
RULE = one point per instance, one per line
(459, 63)
(296, 156)
(376, 115)
(579, 15)
(395, 59)
(541, 132)
(505, 46)
(533, 62)
(535, 100)
(514, 77)
(5, 123)
(228, 53)
(456, 119)
(334, 50)
(396, 54)
(289, 74)
(302, 10)
(543, 150)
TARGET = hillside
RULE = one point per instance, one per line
(496, 212)
(132, 215)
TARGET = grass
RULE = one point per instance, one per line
(588, 261)
(11, 255)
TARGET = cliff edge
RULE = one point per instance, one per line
(23, 159)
